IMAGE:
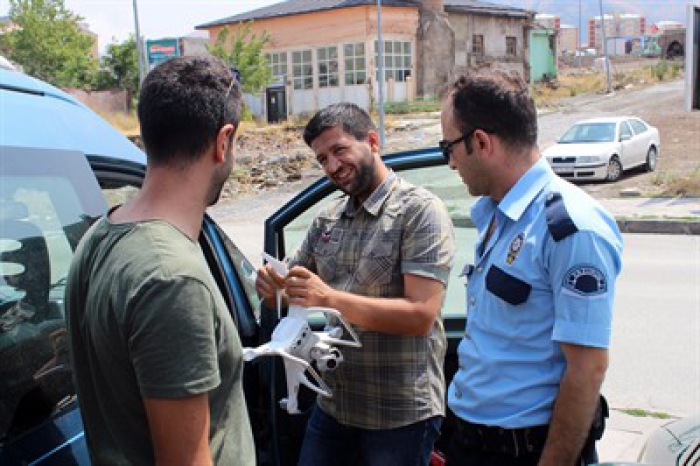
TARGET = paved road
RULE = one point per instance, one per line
(655, 355)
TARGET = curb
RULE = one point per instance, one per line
(659, 227)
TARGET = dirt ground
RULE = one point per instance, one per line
(276, 156)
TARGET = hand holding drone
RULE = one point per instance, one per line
(298, 345)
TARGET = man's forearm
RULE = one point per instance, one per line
(395, 316)
(575, 406)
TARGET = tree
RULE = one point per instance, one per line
(49, 44)
(245, 54)
(119, 67)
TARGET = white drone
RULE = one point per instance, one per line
(298, 345)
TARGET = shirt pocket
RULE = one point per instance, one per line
(326, 258)
(377, 263)
(510, 289)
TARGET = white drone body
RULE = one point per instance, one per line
(298, 345)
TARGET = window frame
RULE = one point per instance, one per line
(511, 46)
(478, 48)
(355, 74)
(303, 70)
(324, 57)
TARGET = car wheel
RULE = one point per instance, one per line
(652, 158)
(614, 169)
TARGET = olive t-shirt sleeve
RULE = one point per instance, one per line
(172, 339)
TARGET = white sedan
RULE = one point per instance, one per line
(602, 148)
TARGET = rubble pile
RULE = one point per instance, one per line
(267, 158)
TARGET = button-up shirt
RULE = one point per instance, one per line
(391, 381)
(546, 276)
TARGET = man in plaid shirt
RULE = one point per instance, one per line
(381, 254)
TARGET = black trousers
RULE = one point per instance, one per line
(461, 454)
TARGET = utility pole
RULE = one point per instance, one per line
(578, 39)
(605, 47)
(139, 45)
(380, 57)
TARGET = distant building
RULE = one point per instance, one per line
(660, 27)
(568, 39)
(548, 21)
(543, 53)
(567, 36)
(620, 29)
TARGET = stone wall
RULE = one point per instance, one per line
(494, 29)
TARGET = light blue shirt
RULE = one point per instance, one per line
(546, 276)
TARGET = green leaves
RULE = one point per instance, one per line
(120, 66)
(245, 52)
(49, 44)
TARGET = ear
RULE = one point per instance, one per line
(482, 142)
(373, 141)
(222, 141)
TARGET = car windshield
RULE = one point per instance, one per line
(589, 132)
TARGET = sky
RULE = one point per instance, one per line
(114, 19)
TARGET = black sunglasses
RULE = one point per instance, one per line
(446, 145)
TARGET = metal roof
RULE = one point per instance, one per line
(36, 114)
(296, 7)
(485, 8)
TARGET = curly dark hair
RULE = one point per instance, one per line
(496, 101)
(350, 117)
(183, 104)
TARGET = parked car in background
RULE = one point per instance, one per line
(602, 148)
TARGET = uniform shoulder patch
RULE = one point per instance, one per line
(559, 222)
(585, 280)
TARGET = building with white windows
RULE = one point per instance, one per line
(326, 51)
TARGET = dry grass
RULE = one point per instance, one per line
(688, 186)
(125, 123)
(570, 85)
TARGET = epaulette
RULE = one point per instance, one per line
(559, 221)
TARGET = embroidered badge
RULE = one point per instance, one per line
(514, 248)
(585, 280)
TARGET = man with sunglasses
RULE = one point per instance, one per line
(539, 294)
(381, 254)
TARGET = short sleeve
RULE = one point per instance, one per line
(583, 272)
(427, 247)
(172, 339)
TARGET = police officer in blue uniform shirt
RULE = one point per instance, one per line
(539, 296)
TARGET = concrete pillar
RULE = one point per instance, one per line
(435, 44)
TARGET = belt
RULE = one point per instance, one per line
(513, 442)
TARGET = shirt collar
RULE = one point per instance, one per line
(526, 189)
(518, 198)
(375, 201)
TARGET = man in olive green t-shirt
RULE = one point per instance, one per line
(157, 359)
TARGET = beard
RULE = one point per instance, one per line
(365, 173)
(220, 177)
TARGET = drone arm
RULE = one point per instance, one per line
(295, 368)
